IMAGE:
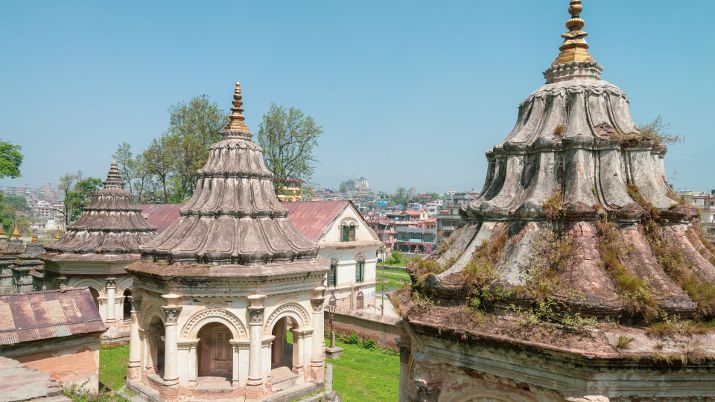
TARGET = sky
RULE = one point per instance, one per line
(408, 93)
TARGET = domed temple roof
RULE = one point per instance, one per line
(576, 208)
(234, 216)
(110, 225)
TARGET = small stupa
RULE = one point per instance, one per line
(216, 293)
(573, 266)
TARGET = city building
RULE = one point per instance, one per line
(96, 249)
(54, 331)
(574, 253)
(448, 219)
(216, 294)
(705, 203)
(345, 240)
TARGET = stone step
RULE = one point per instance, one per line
(282, 378)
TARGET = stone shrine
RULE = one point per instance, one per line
(95, 250)
(576, 274)
(228, 301)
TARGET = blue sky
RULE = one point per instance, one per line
(408, 93)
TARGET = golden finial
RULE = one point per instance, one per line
(35, 239)
(574, 47)
(58, 236)
(16, 232)
(236, 120)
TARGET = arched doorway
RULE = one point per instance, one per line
(155, 341)
(215, 354)
(283, 347)
(127, 304)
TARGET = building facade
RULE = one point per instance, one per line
(345, 240)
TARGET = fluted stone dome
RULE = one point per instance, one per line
(234, 216)
(111, 224)
(576, 172)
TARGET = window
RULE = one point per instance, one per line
(348, 231)
(360, 270)
(333, 273)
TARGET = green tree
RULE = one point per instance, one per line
(158, 164)
(10, 160)
(288, 138)
(77, 193)
(126, 164)
(399, 197)
(9, 207)
(193, 127)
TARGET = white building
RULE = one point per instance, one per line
(345, 239)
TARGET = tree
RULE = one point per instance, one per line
(77, 194)
(193, 127)
(399, 197)
(10, 160)
(125, 162)
(158, 164)
(288, 138)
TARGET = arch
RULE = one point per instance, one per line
(360, 300)
(294, 310)
(149, 311)
(126, 304)
(125, 283)
(217, 315)
(86, 282)
(215, 354)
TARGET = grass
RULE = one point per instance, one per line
(113, 366)
(394, 279)
(366, 374)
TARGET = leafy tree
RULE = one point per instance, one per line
(288, 138)
(77, 193)
(193, 127)
(158, 164)
(126, 164)
(9, 206)
(10, 160)
(399, 197)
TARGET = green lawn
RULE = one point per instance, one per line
(366, 375)
(113, 366)
(394, 279)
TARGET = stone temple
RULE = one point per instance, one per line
(228, 301)
(577, 273)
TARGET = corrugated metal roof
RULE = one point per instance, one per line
(48, 314)
(161, 215)
(312, 218)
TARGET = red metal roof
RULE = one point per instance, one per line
(312, 218)
(161, 215)
(48, 314)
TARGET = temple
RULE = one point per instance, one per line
(95, 250)
(572, 269)
(218, 294)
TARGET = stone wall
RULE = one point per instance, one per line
(381, 329)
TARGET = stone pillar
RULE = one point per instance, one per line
(306, 350)
(255, 311)
(171, 376)
(318, 344)
(134, 340)
(235, 345)
(111, 286)
(191, 363)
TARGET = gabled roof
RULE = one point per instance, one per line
(313, 218)
(160, 215)
(48, 314)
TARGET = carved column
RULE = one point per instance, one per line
(62, 282)
(111, 287)
(134, 339)
(255, 311)
(171, 376)
(235, 346)
(404, 344)
(318, 344)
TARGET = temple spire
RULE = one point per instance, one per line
(114, 179)
(16, 232)
(236, 126)
(574, 47)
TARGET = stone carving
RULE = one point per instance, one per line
(294, 309)
(136, 303)
(172, 314)
(111, 282)
(256, 315)
(317, 303)
(212, 315)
